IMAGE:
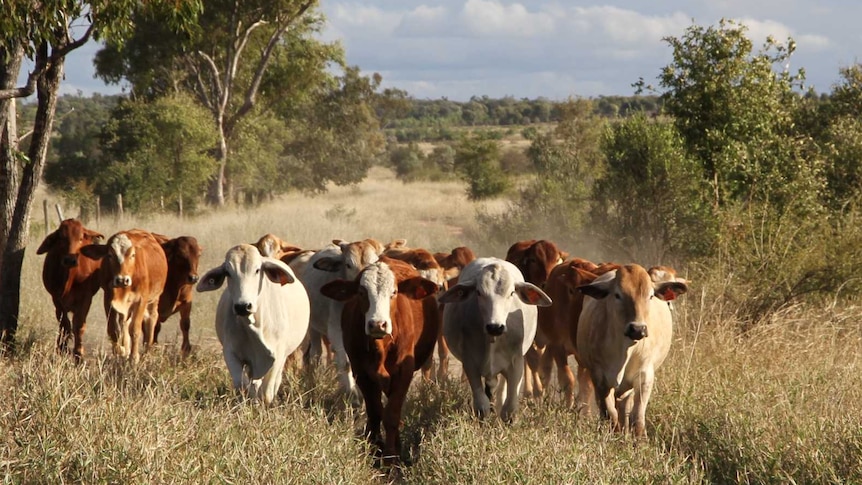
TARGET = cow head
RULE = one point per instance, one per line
(272, 246)
(68, 240)
(354, 257)
(378, 287)
(245, 269)
(632, 289)
(183, 254)
(497, 290)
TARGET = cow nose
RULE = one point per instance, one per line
(70, 261)
(193, 278)
(242, 309)
(376, 329)
(494, 329)
(122, 281)
(636, 331)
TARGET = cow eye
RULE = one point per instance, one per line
(618, 296)
(257, 271)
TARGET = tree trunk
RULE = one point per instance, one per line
(13, 255)
(10, 63)
(215, 194)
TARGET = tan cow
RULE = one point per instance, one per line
(271, 246)
(624, 335)
(135, 269)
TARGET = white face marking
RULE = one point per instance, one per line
(378, 281)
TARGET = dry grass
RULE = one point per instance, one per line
(780, 404)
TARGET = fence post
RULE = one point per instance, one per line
(47, 221)
(120, 207)
(59, 211)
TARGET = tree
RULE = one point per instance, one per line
(223, 63)
(735, 110)
(477, 159)
(42, 32)
(649, 203)
(156, 153)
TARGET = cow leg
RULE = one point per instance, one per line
(606, 402)
(443, 356)
(533, 386)
(481, 399)
(342, 364)
(427, 367)
(79, 322)
(586, 391)
(624, 410)
(400, 383)
(235, 368)
(65, 331)
(151, 317)
(643, 390)
(372, 395)
(272, 381)
(514, 380)
(564, 373)
(185, 327)
(134, 331)
(312, 356)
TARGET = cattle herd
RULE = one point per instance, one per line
(379, 311)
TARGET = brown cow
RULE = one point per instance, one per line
(453, 262)
(389, 327)
(183, 254)
(71, 279)
(623, 340)
(135, 270)
(535, 259)
(430, 269)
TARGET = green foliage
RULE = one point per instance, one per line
(567, 162)
(650, 202)
(735, 110)
(156, 151)
(477, 160)
(406, 159)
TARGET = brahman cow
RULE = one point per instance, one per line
(262, 316)
(390, 323)
(183, 254)
(489, 321)
(340, 260)
(134, 271)
(624, 335)
(535, 259)
(71, 279)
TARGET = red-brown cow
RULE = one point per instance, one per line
(389, 326)
(454, 261)
(182, 254)
(535, 259)
(135, 269)
(71, 279)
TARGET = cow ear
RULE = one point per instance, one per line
(49, 241)
(277, 272)
(289, 248)
(456, 294)
(212, 280)
(160, 238)
(670, 290)
(94, 236)
(340, 290)
(532, 295)
(170, 248)
(417, 288)
(94, 251)
(329, 264)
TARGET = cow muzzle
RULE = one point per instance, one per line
(636, 331)
(377, 329)
(193, 278)
(122, 281)
(243, 309)
(495, 329)
(69, 261)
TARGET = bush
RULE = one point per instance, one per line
(477, 159)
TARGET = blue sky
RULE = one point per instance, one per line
(555, 49)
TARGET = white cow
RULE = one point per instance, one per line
(624, 335)
(339, 260)
(261, 318)
(489, 321)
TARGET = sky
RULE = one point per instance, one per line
(553, 49)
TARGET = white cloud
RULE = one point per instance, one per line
(492, 18)
(628, 27)
(358, 18)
